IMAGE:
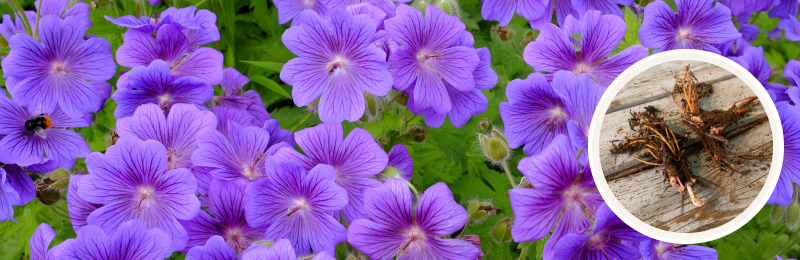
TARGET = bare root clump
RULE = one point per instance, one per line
(710, 126)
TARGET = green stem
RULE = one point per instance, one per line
(793, 240)
(199, 3)
(413, 189)
(524, 253)
(21, 13)
(36, 30)
(508, 174)
(771, 243)
(404, 121)
(175, 3)
(464, 230)
(295, 127)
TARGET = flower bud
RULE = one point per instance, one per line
(528, 37)
(48, 196)
(495, 146)
(501, 232)
(415, 134)
(479, 211)
(793, 216)
(524, 183)
(372, 109)
(776, 214)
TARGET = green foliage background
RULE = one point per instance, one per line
(251, 42)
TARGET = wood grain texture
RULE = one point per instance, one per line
(642, 189)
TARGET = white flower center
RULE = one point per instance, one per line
(59, 69)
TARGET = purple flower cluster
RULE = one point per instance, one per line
(346, 48)
(55, 77)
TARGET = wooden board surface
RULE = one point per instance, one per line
(639, 188)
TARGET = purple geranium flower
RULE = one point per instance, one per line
(774, 34)
(581, 96)
(297, 206)
(337, 62)
(227, 202)
(155, 84)
(386, 6)
(610, 239)
(604, 6)
(290, 9)
(697, 25)
(564, 191)
(790, 121)
(241, 153)
(465, 104)
(26, 147)
(395, 229)
(754, 61)
(131, 240)
(563, 8)
(745, 7)
(791, 26)
(11, 27)
(652, 249)
(132, 181)
(749, 31)
(503, 10)
(355, 159)
(200, 28)
(177, 131)
(79, 10)
(784, 9)
(8, 198)
(40, 242)
(436, 65)
(63, 70)
(173, 47)
(534, 113)
(22, 183)
(216, 249)
(78, 208)
(232, 83)
(553, 50)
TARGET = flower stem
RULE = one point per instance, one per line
(199, 3)
(413, 189)
(464, 230)
(508, 174)
(18, 9)
(793, 240)
(524, 254)
(295, 127)
(36, 30)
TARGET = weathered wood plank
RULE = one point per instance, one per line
(641, 192)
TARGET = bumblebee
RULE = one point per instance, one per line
(38, 123)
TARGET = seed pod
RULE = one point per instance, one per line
(501, 232)
(793, 216)
(479, 211)
(505, 33)
(495, 146)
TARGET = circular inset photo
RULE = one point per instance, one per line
(686, 145)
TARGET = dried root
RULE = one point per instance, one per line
(710, 126)
(658, 141)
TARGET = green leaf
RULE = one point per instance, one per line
(632, 32)
(270, 65)
(270, 84)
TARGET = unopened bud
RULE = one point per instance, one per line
(61, 184)
(501, 232)
(313, 106)
(416, 134)
(776, 214)
(479, 211)
(401, 98)
(792, 216)
(372, 109)
(495, 146)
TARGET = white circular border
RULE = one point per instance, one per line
(636, 223)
